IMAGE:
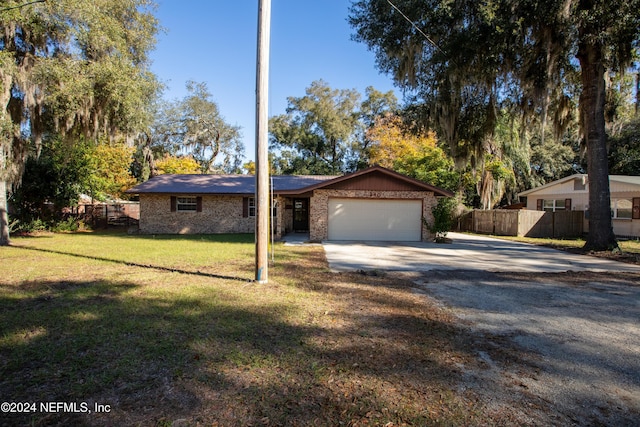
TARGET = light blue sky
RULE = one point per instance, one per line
(214, 41)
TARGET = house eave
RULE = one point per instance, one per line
(197, 185)
(419, 184)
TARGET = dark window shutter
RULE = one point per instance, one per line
(245, 207)
(174, 203)
(539, 204)
(198, 204)
(636, 208)
(567, 204)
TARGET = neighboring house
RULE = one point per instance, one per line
(572, 193)
(372, 204)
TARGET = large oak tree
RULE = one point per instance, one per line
(324, 132)
(467, 59)
(194, 126)
(70, 68)
(315, 132)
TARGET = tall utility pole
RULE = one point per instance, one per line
(262, 154)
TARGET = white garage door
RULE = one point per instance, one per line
(375, 219)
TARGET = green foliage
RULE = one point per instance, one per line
(522, 57)
(37, 225)
(325, 131)
(377, 104)
(68, 225)
(442, 218)
(32, 226)
(66, 170)
(550, 161)
(86, 69)
(71, 68)
(52, 181)
(498, 169)
(194, 127)
(315, 133)
(624, 150)
(432, 166)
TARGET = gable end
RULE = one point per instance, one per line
(375, 181)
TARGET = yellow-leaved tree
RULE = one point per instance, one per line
(391, 142)
(111, 177)
(394, 146)
(177, 164)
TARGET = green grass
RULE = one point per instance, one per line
(171, 328)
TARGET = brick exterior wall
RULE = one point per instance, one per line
(284, 217)
(223, 214)
(319, 215)
(220, 214)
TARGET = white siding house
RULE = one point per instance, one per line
(572, 193)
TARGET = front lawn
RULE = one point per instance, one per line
(167, 331)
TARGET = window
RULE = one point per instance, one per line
(554, 205)
(252, 206)
(249, 207)
(186, 204)
(621, 208)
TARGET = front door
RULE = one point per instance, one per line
(301, 215)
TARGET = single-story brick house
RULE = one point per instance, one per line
(371, 204)
(572, 193)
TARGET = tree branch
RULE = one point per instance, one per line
(22, 5)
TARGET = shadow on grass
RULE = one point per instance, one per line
(132, 264)
(210, 358)
(103, 342)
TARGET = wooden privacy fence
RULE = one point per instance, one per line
(504, 222)
(103, 215)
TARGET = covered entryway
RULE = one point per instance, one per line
(301, 215)
(375, 219)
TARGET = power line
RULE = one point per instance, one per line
(22, 5)
(413, 24)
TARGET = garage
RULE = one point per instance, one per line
(375, 219)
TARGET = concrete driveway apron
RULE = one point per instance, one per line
(467, 252)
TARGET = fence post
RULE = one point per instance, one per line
(493, 215)
(474, 224)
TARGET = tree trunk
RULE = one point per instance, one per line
(592, 102)
(4, 215)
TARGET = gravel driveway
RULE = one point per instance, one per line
(559, 329)
(576, 336)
